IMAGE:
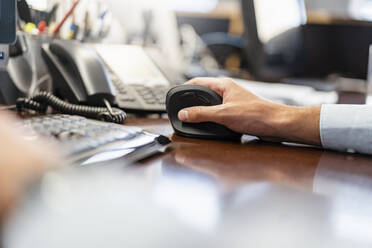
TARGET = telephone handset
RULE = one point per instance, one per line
(78, 73)
(80, 78)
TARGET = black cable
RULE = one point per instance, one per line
(42, 100)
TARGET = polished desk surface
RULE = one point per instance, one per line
(206, 193)
(327, 193)
(234, 164)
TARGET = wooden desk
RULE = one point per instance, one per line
(208, 194)
(290, 193)
(233, 164)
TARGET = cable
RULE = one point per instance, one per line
(42, 100)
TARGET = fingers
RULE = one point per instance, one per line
(201, 114)
(218, 85)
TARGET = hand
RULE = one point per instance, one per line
(21, 161)
(246, 113)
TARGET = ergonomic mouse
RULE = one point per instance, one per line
(185, 96)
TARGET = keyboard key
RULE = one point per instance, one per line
(154, 95)
(78, 134)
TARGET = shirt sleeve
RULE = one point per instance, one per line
(346, 127)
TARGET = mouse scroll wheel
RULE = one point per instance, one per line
(189, 95)
(193, 95)
(203, 99)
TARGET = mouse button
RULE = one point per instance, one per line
(208, 129)
(177, 124)
(211, 97)
(188, 95)
(191, 129)
(190, 100)
(203, 99)
(204, 127)
(201, 130)
(193, 126)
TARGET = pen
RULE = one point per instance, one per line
(68, 14)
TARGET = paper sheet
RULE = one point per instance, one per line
(295, 95)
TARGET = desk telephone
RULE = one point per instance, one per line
(101, 75)
(123, 75)
(80, 76)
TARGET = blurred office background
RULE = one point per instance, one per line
(321, 43)
(313, 42)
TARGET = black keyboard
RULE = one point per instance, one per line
(81, 138)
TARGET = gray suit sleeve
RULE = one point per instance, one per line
(347, 127)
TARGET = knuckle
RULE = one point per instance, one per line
(220, 112)
(223, 109)
(228, 83)
(195, 113)
(198, 111)
(198, 79)
(191, 81)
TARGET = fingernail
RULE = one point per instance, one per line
(183, 115)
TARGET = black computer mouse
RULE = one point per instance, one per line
(185, 96)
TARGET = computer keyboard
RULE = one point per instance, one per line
(81, 137)
(152, 95)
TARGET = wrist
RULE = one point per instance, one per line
(298, 124)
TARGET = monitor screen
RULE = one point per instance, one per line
(7, 21)
(1, 9)
(274, 17)
(342, 9)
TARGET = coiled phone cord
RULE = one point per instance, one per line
(42, 100)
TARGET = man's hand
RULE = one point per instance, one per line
(246, 113)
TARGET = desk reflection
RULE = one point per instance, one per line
(333, 209)
(278, 196)
(234, 164)
(346, 180)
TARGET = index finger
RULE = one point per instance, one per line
(215, 84)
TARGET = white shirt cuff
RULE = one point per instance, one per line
(346, 127)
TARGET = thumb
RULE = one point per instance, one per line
(200, 114)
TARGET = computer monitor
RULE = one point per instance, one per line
(7, 29)
(280, 44)
(7, 21)
(276, 17)
(273, 36)
(8, 91)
